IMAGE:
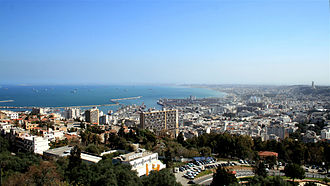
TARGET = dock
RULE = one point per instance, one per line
(79, 106)
(6, 101)
(114, 103)
(120, 99)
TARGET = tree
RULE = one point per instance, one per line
(80, 174)
(294, 171)
(223, 177)
(180, 138)
(277, 180)
(205, 151)
(105, 173)
(74, 159)
(4, 144)
(260, 169)
(271, 161)
(39, 175)
(82, 125)
(164, 178)
(92, 148)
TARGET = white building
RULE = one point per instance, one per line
(35, 144)
(142, 161)
(88, 158)
(53, 135)
(325, 134)
(72, 113)
(65, 151)
(13, 115)
(10, 114)
(39, 111)
(105, 119)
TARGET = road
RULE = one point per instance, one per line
(206, 180)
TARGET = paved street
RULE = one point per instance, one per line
(206, 180)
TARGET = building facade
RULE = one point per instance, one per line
(92, 116)
(35, 144)
(161, 121)
(325, 134)
(72, 113)
(142, 161)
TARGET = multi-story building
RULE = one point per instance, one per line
(8, 115)
(3, 115)
(105, 119)
(161, 121)
(278, 131)
(72, 113)
(325, 134)
(142, 161)
(35, 144)
(30, 126)
(92, 116)
(39, 111)
(13, 115)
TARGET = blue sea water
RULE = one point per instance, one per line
(55, 96)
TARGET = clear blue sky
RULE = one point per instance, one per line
(134, 42)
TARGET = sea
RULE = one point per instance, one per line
(80, 95)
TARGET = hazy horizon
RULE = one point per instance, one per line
(173, 42)
(152, 84)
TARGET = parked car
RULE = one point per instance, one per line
(191, 182)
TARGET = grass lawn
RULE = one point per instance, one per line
(318, 179)
(248, 178)
(178, 164)
(203, 173)
(226, 159)
(283, 177)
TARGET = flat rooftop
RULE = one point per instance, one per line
(90, 158)
(60, 151)
(135, 155)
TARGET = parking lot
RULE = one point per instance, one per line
(188, 172)
(192, 169)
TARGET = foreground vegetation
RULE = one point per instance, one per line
(29, 169)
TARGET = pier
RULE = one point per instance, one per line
(120, 99)
(114, 103)
(80, 106)
(6, 101)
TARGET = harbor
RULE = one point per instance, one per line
(114, 103)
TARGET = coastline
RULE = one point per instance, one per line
(60, 96)
(208, 88)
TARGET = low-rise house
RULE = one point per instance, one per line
(142, 161)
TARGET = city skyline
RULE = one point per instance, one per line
(173, 42)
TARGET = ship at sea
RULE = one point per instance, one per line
(66, 96)
(74, 91)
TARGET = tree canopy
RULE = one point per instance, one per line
(294, 171)
(223, 177)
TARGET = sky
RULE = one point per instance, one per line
(273, 42)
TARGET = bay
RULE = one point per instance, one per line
(78, 95)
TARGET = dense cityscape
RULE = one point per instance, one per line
(255, 133)
(164, 93)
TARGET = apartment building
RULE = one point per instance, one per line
(161, 121)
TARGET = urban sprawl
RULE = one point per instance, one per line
(264, 113)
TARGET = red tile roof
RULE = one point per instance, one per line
(267, 153)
